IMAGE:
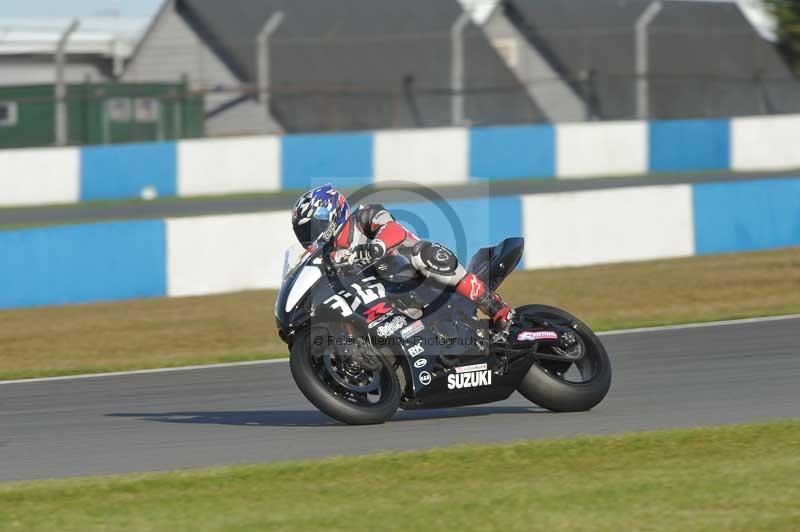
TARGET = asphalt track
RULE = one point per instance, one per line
(709, 375)
(166, 208)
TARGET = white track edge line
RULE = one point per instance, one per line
(146, 371)
(724, 323)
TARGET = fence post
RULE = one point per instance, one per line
(457, 68)
(262, 59)
(61, 85)
(643, 61)
(85, 103)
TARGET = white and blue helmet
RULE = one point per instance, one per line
(319, 214)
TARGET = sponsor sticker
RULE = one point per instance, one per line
(532, 336)
(376, 311)
(469, 377)
(412, 329)
(424, 378)
(437, 268)
(473, 367)
(415, 350)
(328, 233)
(392, 326)
(378, 321)
(475, 288)
(420, 362)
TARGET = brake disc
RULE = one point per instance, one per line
(351, 381)
(574, 352)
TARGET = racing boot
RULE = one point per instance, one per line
(501, 313)
(490, 303)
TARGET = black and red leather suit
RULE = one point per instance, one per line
(371, 232)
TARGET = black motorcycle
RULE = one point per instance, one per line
(366, 340)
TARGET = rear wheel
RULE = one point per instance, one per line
(567, 386)
(351, 389)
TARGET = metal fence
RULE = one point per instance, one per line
(268, 82)
(419, 80)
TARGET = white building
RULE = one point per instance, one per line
(97, 50)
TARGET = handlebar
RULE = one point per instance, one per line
(345, 263)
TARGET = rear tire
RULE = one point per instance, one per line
(543, 385)
(307, 377)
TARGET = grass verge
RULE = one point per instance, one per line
(237, 327)
(732, 478)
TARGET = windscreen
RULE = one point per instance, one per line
(293, 257)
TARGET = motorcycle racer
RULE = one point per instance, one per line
(370, 232)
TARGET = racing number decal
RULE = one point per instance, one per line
(371, 293)
(339, 303)
(364, 294)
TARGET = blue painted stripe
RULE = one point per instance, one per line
(510, 152)
(678, 145)
(345, 159)
(746, 216)
(83, 263)
(124, 171)
(464, 225)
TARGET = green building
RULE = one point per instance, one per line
(100, 113)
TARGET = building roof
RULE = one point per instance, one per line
(705, 58)
(360, 64)
(480, 10)
(109, 37)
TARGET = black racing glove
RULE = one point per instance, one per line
(368, 253)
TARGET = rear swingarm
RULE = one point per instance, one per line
(533, 353)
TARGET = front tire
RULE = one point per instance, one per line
(545, 383)
(314, 378)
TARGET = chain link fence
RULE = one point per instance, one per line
(180, 85)
(419, 80)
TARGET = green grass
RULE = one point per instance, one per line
(237, 327)
(736, 478)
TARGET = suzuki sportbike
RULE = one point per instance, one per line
(367, 340)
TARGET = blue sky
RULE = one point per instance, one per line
(88, 8)
(77, 8)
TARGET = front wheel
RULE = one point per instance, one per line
(567, 386)
(341, 386)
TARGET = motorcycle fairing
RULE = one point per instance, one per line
(505, 380)
(450, 317)
(493, 264)
(448, 335)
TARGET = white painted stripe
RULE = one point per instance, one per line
(427, 156)
(229, 166)
(607, 226)
(724, 323)
(147, 371)
(601, 149)
(40, 176)
(765, 142)
(227, 253)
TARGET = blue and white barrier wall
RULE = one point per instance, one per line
(217, 254)
(39, 176)
(429, 156)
